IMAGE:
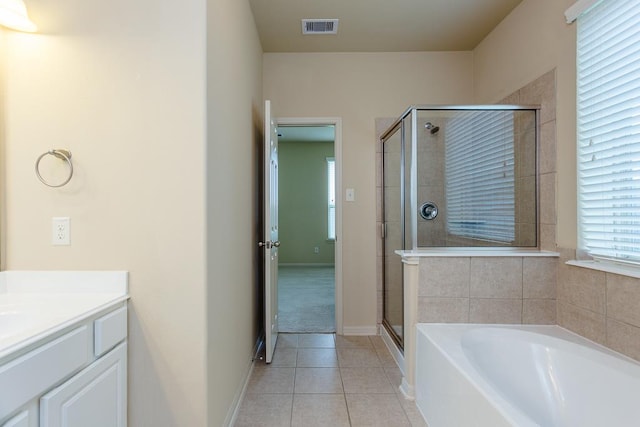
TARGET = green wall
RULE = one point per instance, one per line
(302, 206)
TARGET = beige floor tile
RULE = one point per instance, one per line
(287, 340)
(285, 357)
(319, 410)
(358, 358)
(318, 380)
(317, 358)
(349, 341)
(394, 374)
(413, 414)
(307, 366)
(385, 357)
(317, 340)
(365, 380)
(372, 410)
(265, 410)
(268, 379)
(377, 342)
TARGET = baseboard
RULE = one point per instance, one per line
(232, 415)
(393, 348)
(359, 330)
(290, 264)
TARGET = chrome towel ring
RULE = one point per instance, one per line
(60, 154)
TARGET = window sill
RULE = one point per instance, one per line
(609, 267)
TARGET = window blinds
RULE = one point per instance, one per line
(609, 130)
(331, 198)
(479, 171)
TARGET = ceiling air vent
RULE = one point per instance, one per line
(319, 26)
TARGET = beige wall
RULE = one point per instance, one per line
(122, 85)
(358, 87)
(531, 41)
(234, 141)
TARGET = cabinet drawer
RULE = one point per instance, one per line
(109, 330)
(28, 376)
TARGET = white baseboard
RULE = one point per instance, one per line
(359, 330)
(232, 415)
(393, 349)
(288, 264)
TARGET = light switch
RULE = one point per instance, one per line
(351, 195)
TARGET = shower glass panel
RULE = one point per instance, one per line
(457, 177)
(394, 234)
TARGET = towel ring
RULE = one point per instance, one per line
(60, 154)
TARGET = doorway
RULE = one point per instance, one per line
(309, 286)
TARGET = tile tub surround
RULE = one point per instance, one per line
(603, 307)
(518, 287)
(327, 380)
(487, 290)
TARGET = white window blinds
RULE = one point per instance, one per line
(609, 130)
(331, 198)
(479, 171)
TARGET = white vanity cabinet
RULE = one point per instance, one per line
(76, 377)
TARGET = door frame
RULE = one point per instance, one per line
(337, 153)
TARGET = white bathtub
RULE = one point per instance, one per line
(508, 375)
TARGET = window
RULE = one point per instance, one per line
(479, 170)
(331, 198)
(608, 62)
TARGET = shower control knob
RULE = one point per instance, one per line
(429, 211)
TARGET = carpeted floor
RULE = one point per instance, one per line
(306, 299)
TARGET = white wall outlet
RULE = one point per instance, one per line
(316, 250)
(351, 195)
(60, 231)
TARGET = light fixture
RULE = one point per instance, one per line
(13, 14)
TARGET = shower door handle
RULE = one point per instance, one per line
(276, 244)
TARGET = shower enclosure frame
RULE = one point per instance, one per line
(413, 184)
(396, 126)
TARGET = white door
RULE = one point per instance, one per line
(270, 242)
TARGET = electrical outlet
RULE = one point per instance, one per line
(316, 250)
(60, 231)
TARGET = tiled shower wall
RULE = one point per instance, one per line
(603, 307)
(509, 304)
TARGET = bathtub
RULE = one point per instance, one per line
(512, 375)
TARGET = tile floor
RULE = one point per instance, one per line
(327, 380)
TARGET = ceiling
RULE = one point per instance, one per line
(379, 25)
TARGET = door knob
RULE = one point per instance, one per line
(269, 244)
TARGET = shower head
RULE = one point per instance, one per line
(431, 128)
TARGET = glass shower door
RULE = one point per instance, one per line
(393, 177)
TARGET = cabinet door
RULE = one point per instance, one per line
(96, 396)
(20, 420)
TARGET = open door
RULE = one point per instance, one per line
(270, 241)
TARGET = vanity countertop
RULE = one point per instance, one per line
(36, 304)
